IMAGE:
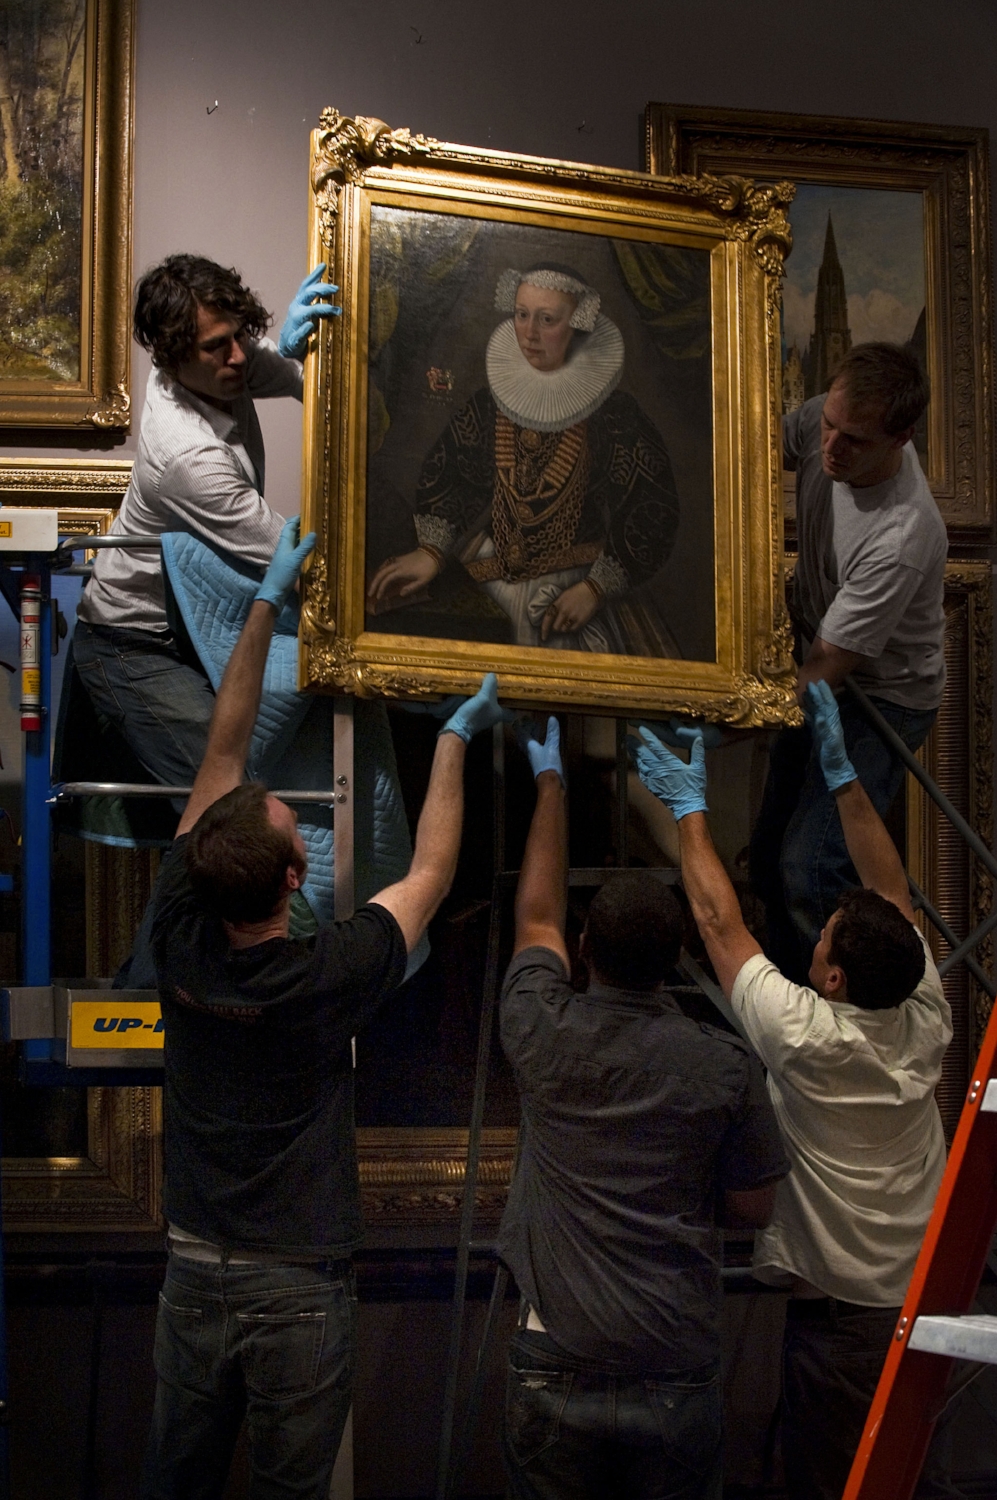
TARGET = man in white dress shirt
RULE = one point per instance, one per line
(199, 468)
(853, 1059)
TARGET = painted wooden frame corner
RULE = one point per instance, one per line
(949, 167)
(99, 398)
(360, 167)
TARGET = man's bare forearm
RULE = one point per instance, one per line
(714, 902)
(542, 893)
(827, 663)
(872, 851)
(437, 835)
(238, 701)
(712, 897)
(234, 717)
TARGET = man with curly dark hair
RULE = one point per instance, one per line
(199, 468)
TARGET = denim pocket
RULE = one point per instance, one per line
(534, 1401)
(281, 1352)
(177, 1354)
(689, 1419)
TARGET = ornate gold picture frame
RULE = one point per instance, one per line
(894, 174)
(420, 236)
(66, 131)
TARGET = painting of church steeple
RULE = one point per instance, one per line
(831, 338)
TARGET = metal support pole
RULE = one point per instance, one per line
(446, 1472)
(914, 766)
(342, 775)
(967, 945)
(344, 901)
(622, 795)
(937, 920)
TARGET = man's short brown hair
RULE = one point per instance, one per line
(236, 859)
(888, 376)
(167, 299)
(877, 949)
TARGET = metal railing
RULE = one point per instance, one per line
(962, 952)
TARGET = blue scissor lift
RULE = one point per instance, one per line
(81, 1032)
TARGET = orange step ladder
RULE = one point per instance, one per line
(933, 1329)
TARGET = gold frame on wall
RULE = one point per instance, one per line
(50, 481)
(359, 163)
(949, 166)
(100, 398)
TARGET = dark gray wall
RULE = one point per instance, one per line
(548, 77)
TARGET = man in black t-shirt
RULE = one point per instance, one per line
(257, 1314)
(635, 1121)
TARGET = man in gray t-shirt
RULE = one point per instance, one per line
(867, 603)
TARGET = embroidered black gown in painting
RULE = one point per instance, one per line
(595, 500)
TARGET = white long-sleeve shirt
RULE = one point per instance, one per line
(197, 469)
(854, 1094)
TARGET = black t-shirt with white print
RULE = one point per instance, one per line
(260, 1146)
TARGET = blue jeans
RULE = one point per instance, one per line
(272, 1344)
(798, 861)
(574, 1432)
(161, 706)
(830, 1370)
(159, 703)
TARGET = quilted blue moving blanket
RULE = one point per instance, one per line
(292, 743)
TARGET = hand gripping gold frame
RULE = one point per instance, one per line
(357, 163)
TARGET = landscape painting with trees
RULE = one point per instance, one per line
(43, 58)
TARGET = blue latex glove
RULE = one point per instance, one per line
(829, 737)
(676, 732)
(679, 786)
(479, 712)
(304, 314)
(285, 565)
(546, 756)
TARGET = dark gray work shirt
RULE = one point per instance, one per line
(634, 1120)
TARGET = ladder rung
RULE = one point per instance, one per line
(971, 1337)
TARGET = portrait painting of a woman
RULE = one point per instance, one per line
(517, 438)
(550, 486)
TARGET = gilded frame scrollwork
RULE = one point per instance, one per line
(64, 481)
(357, 163)
(100, 398)
(949, 167)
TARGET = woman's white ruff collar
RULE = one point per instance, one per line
(552, 400)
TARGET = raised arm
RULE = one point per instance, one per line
(238, 701)
(542, 892)
(714, 903)
(414, 901)
(872, 851)
(826, 663)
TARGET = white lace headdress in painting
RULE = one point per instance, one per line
(552, 400)
(552, 279)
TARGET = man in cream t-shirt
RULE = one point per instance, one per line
(853, 1059)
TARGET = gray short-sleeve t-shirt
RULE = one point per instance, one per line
(871, 569)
